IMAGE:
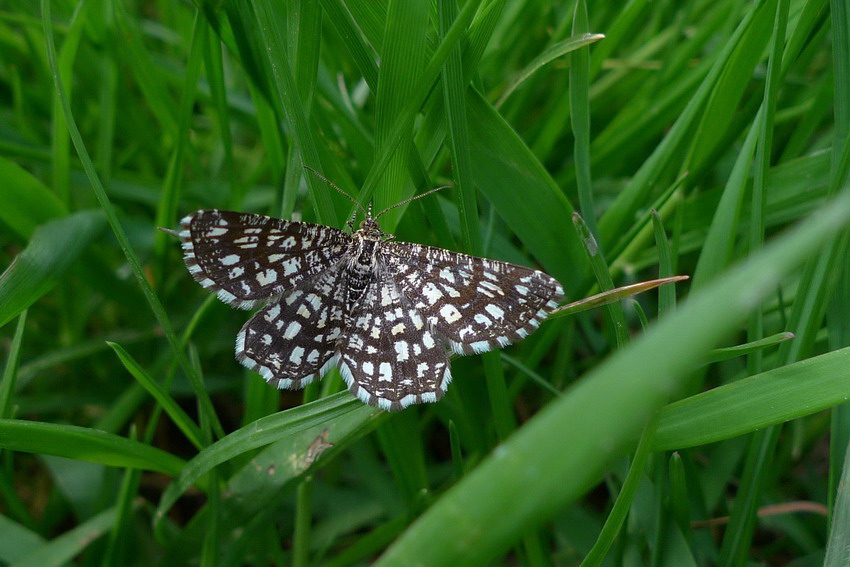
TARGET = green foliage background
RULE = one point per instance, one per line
(706, 138)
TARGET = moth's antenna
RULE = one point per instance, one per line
(414, 198)
(337, 187)
(350, 222)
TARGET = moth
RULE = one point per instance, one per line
(387, 314)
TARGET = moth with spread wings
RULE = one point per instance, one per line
(387, 313)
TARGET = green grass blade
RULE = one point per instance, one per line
(54, 247)
(731, 85)
(175, 412)
(454, 95)
(716, 252)
(123, 517)
(553, 52)
(520, 189)
(290, 456)
(27, 203)
(84, 444)
(345, 25)
(737, 538)
(617, 516)
(756, 402)
(60, 148)
(838, 546)
(167, 212)
(402, 62)
(10, 370)
(69, 545)
(838, 326)
(580, 121)
(103, 199)
(145, 72)
(405, 117)
(738, 350)
(603, 277)
(304, 421)
(666, 264)
(293, 107)
(16, 541)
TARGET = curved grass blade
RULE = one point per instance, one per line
(524, 194)
(16, 541)
(10, 371)
(769, 398)
(612, 295)
(740, 350)
(27, 202)
(311, 418)
(51, 251)
(287, 459)
(84, 444)
(63, 549)
(838, 546)
(559, 49)
(180, 418)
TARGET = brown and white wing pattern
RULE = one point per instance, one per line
(389, 356)
(387, 313)
(247, 259)
(474, 304)
(293, 341)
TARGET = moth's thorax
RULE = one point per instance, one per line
(365, 244)
(362, 261)
(362, 252)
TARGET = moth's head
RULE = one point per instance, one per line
(370, 229)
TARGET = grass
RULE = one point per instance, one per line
(701, 424)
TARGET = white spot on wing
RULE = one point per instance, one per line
(291, 266)
(479, 346)
(495, 311)
(450, 313)
(291, 330)
(386, 297)
(273, 313)
(432, 293)
(267, 278)
(428, 340)
(408, 400)
(402, 351)
(481, 319)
